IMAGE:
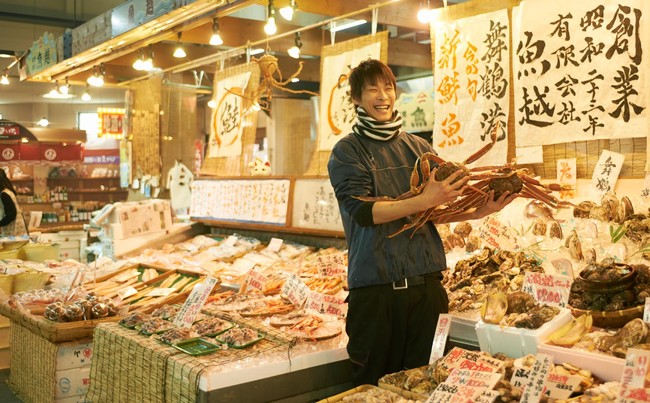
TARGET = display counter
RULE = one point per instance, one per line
(128, 366)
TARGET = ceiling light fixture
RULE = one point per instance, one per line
(294, 51)
(179, 52)
(270, 28)
(65, 88)
(97, 79)
(424, 13)
(256, 51)
(43, 122)
(287, 11)
(345, 25)
(86, 95)
(215, 39)
(5, 78)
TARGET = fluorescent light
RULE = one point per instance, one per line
(295, 80)
(256, 51)
(346, 25)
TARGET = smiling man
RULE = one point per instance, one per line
(395, 292)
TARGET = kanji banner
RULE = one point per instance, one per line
(337, 112)
(471, 71)
(580, 71)
(227, 117)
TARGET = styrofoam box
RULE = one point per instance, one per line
(515, 342)
(74, 354)
(72, 382)
(605, 367)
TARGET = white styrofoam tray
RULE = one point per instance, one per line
(605, 367)
(515, 342)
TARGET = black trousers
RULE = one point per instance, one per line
(390, 330)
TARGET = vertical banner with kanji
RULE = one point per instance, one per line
(580, 71)
(337, 112)
(227, 116)
(471, 83)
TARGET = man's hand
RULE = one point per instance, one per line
(436, 193)
(492, 206)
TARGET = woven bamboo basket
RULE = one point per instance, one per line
(53, 331)
(611, 319)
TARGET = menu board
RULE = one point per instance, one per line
(263, 201)
(315, 205)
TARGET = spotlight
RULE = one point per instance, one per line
(179, 52)
(287, 11)
(5, 78)
(86, 95)
(294, 51)
(97, 79)
(424, 14)
(43, 122)
(65, 88)
(215, 39)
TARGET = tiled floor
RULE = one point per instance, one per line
(5, 393)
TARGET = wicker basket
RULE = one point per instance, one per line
(611, 319)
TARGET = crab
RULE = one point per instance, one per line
(482, 181)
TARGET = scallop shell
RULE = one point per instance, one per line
(625, 210)
(574, 246)
(494, 308)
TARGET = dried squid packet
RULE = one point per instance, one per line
(177, 335)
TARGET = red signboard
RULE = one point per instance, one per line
(60, 152)
(30, 151)
(9, 152)
(111, 122)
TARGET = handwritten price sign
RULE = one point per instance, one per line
(547, 289)
(535, 387)
(255, 281)
(497, 234)
(324, 303)
(440, 338)
(465, 385)
(194, 302)
(633, 386)
(332, 264)
(295, 290)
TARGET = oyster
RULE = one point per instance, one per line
(463, 229)
(494, 308)
(520, 302)
(625, 210)
(537, 209)
(574, 245)
(583, 208)
(539, 227)
(555, 231)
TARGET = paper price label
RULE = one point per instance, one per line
(547, 289)
(160, 292)
(230, 241)
(328, 304)
(440, 337)
(194, 302)
(275, 244)
(255, 281)
(332, 264)
(646, 310)
(295, 290)
(560, 386)
(535, 388)
(488, 396)
(466, 385)
(496, 234)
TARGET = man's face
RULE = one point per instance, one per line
(378, 100)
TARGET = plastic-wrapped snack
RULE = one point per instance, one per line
(177, 335)
(134, 319)
(211, 326)
(155, 325)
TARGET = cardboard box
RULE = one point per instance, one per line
(515, 342)
(74, 354)
(72, 382)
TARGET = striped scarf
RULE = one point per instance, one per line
(366, 125)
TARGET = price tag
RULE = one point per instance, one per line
(440, 337)
(646, 310)
(535, 388)
(160, 292)
(547, 289)
(295, 290)
(194, 302)
(243, 266)
(275, 244)
(473, 360)
(488, 396)
(332, 264)
(126, 292)
(324, 303)
(560, 386)
(255, 281)
(464, 384)
(496, 234)
(230, 241)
